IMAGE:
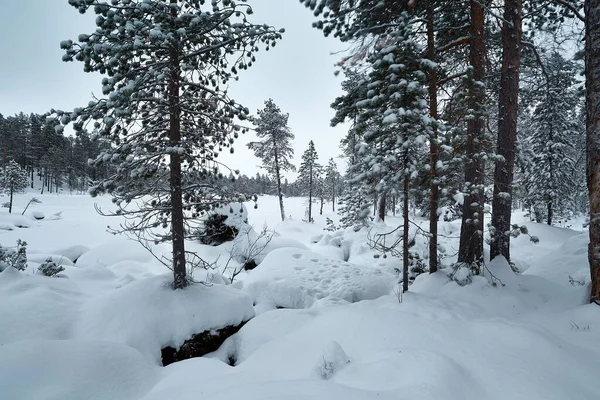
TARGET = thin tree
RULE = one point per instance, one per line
(275, 149)
(332, 179)
(308, 174)
(166, 111)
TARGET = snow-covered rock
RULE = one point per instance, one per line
(149, 315)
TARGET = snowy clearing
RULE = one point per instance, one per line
(343, 331)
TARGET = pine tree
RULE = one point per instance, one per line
(13, 179)
(166, 111)
(308, 174)
(396, 111)
(275, 149)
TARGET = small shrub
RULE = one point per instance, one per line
(14, 257)
(50, 268)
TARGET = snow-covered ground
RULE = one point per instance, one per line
(326, 319)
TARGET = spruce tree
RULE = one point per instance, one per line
(308, 174)
(549, 177)
(166, 111)
(275, 149)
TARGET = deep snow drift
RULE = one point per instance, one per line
(343, 330)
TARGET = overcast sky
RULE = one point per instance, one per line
(297, 73)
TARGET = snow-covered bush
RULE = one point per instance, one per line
(15, 257)
(50, 268)
(223, 224)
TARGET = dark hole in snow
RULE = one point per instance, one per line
(231, 360)
(250, 265)
(199, 344)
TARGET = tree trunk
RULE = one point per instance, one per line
(592, 71)
(381, 207)
(405, 217)
(322, 202)
(470, 249)
(333, 197)
(310, 186)
(549, 211)
(278, 178)
(507, 128)
(11, 200)
(433, 147)
(177, 223)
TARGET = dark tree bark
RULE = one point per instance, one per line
(11, 201)
(471, 232)
(177, 224)
(507, 128)
(433, 147)
(405, 216)
(321, 208)
(310, 188)
(333, 196)
(592, 68)
(381, 204)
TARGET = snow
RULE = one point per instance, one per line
(294, 278)
(39, 369)
(346, 333)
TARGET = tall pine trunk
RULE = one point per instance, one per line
(11, 200)
(470, 249)
(278, 177)
(405, 217)
(507, 128)
(433, 147)
(177, 223)
(592, 72)
(310, 188)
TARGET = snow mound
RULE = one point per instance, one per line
(11, 221)
(36, 307)
(72, 252)
(149, 315)
(260, 330)
(567, 264)
(41, 258)
(294, 278)
(73, 370)
(113, 252)
(333, 359)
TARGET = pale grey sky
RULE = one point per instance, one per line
(297, 73)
